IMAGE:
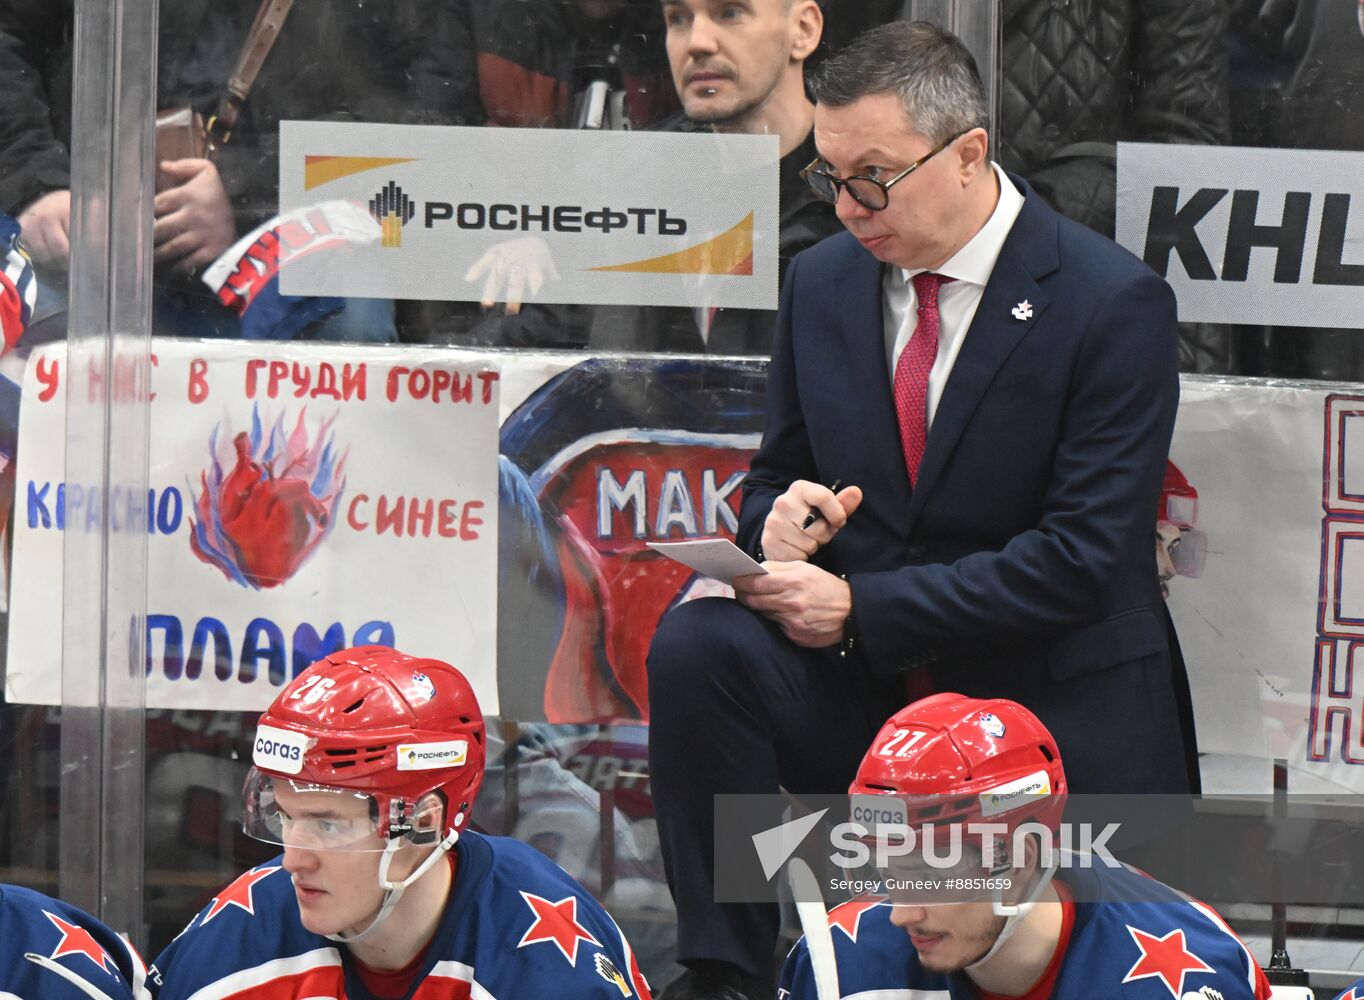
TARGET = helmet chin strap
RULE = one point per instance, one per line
(1015, 913)
(393, 891)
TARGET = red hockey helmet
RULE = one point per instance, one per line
(951, 759)
(1178, 498)
(377, 724)
(1186, 551)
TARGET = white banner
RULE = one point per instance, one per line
(650, 218)
(598, 456)
(1248, 235)
(1273, 629)
(303, 498)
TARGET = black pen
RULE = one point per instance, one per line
(815, 513)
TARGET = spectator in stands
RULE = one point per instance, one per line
(535, 57)
(738, 68)
(1072, 85)
(733, 72)
(326, 64)
(534, 63)
(1321, 44)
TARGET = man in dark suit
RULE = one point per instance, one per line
(997, 385)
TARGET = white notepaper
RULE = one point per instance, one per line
(718, 558)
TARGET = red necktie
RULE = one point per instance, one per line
(911, 408)
(913, 369)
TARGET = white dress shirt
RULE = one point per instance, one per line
(957, 301)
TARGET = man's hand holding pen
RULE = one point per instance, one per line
(785, 537)
(810, 604)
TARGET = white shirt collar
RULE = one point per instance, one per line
(974, 261)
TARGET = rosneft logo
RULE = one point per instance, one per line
(727, 253)
(608, 971)
(429, 756)
(1017, 793)
(392, 209)
(319, 170)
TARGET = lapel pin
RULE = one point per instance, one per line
(1023, 310)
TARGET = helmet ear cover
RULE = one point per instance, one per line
(422, 824)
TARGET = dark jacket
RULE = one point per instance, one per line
(392, 61)
(1019, 564)
(35, 100)
(1324, 99)
(1078, 76)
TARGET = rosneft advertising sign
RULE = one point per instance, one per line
(628, 218)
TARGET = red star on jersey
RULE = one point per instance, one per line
(76, 940)
(557, 922)
(1167, 957)
(238, 894)
(847, 916)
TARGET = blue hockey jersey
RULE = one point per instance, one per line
(1134, 938)
(1355, 992)
(52, 951)
(516, 925)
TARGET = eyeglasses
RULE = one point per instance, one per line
(866, 191)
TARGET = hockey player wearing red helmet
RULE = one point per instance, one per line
(365, 770)
(1033, 922)
(1181, 549)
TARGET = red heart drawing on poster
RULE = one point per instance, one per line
(260, 522)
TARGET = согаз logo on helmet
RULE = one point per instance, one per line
(279, 749)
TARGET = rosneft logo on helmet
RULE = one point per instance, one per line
(1019, 792)
(279, 750)
(429, 756)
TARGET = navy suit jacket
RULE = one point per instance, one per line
(1022, 562)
